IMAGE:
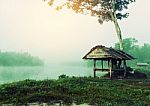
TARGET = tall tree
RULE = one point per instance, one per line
(104, 10)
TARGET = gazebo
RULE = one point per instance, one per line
(116, 59)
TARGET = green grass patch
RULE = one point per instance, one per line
(79, 90)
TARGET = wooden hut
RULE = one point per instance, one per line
(116, 59)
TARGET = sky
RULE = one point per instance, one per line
(32, 26)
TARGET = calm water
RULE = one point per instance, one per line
(10, 74)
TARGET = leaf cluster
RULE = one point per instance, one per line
(99, 8)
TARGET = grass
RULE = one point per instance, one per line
(102, 92)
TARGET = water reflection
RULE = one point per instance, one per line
(10, 74)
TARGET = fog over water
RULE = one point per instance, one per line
(10, 74)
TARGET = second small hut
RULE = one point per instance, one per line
(116, 59)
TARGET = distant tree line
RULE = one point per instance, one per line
(141, 53)
(19, 59)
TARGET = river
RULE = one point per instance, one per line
(11, 74)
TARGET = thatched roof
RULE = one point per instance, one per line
(102, 52)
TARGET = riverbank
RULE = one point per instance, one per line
(78, 90)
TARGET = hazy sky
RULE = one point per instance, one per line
(32, 26)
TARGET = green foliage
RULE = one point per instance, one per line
(79, 90)
(143, 70)
(18, 59)
(63, 76)
(141, 53)
(129, 44)
(99, 8)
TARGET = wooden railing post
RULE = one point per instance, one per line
(110, 68)
(102, 64)
(125, 68)
(94, 68)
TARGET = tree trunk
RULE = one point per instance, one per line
(119, 35)
(117, 27)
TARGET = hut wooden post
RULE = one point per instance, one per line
(102, 63)
(125, 68)
(110, 68)
(94, 69)
(119, 64)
